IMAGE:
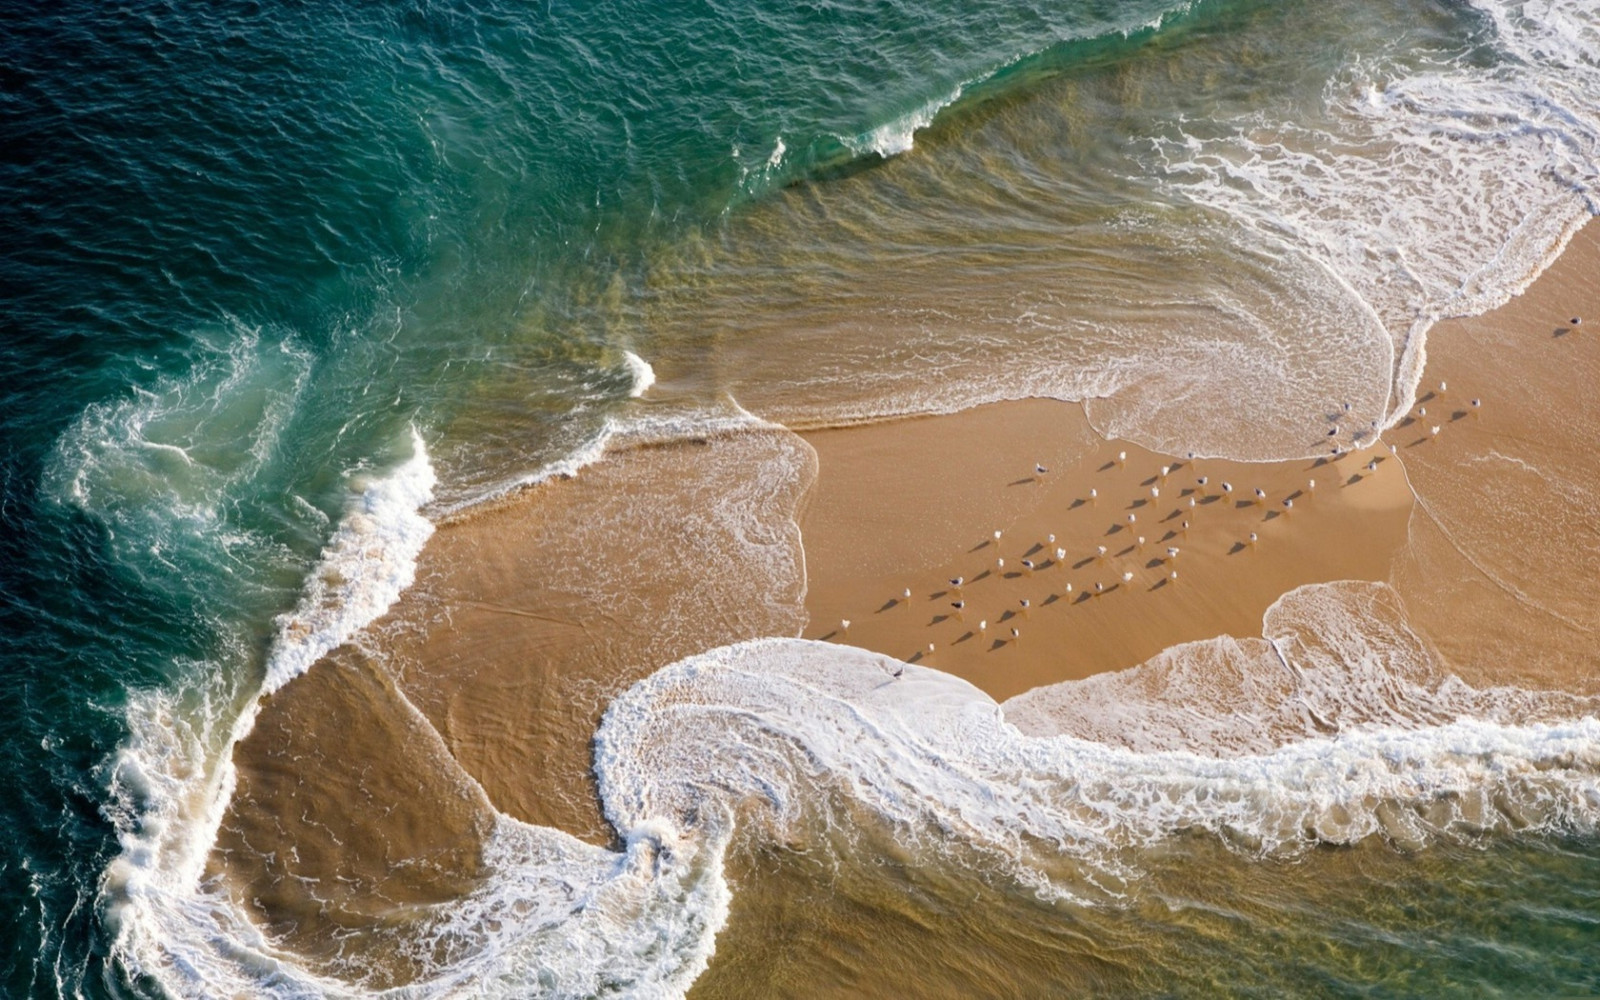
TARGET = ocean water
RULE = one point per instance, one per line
(285, 287)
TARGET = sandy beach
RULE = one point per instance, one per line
(916, 505)
(483, 685)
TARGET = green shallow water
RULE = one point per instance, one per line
(249, 248)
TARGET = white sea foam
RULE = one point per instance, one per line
(1333, 656)
(1429, 192)
(369, 561)
(162, 466)
(643, 375)
(899, 134)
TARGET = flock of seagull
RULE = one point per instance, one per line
(1039, 556)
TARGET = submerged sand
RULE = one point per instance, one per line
(378, 771)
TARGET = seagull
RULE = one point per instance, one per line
(1133, 518)
(1202, 481)
(1185, 527)
(1261, 494)
(1476, 403)
(997, 534)
(1041, 470)
(1122, 457)
(1061, 554)
(1027, 564)
(1051, 539)
(1155, 492)
(1173, 576)
(1127, 577)
(1347, 407)
(1422, 411)
(1227, 488)
(1141, 541)
(1093, 494)
(1172, 552)
(999, 564)
(1099, 587)
(1434, 431)
(1166, 470)
(1026, 604)
(1102, 550)
(1015, 635)
(1311, 485)
(844, 625)
(906, 593)
(902, 667)
(1253, 538)
(1442, 387)
(1069, 589)
(1576, 321)
(956, 581)
(958, 605)
(1288, 505)
(1192, 504)
(1372, 466)
(983, 626)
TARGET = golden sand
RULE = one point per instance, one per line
(915, 505)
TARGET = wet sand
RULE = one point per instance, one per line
(1505, 540)
(483, 685)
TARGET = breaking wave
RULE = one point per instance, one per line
(769, 736)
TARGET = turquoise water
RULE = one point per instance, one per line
(250, 249)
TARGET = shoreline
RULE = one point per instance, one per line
(484, 682)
